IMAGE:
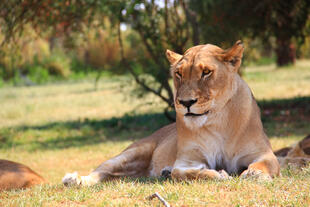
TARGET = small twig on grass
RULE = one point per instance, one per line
(151, 197)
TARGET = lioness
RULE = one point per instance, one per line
(14, 175)
(298, 155)
(218, 127)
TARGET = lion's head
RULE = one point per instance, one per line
(204, 80)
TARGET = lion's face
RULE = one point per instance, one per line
(204, 80)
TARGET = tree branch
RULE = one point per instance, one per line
(191, 16)
(139, 81)
(156, 195)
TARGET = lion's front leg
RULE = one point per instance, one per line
(264, 168)
(193, 174)
(76, 179)
(192, 171)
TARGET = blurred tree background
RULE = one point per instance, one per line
(44, 40)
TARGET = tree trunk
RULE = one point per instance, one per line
(286, 52)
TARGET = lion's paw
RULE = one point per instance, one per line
(166, 172)
(256, 174)
(71, 179)
(224, 175)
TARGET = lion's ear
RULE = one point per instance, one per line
(233, 56)
(172, 57)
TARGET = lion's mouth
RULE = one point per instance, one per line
(192, 114)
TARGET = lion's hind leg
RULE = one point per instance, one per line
(133, 162)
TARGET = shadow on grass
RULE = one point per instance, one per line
(59, 135)
(286, 117)
(281, 118)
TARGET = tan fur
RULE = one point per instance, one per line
(220, 129)
(297, 155)
(16, 176)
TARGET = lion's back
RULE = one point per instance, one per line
(14, 175)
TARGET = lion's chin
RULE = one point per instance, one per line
(194, 122)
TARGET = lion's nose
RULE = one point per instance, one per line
(188, 103)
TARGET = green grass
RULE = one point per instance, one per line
(66, 127)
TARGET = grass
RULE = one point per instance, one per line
(59, 128)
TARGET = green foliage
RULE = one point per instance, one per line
(1, 82)
(38, 74)
(224, 22)
(158, 28)
(57, 64)
(79, 66)
(264, 61)
(304, 51)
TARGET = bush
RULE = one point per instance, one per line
(57, 64)
(79, 66)
(1, 82)
(38, 74)
(304, 49)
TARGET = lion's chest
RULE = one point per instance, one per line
(217, 153)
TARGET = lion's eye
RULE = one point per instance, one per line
(206, 73)
(178, 75)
